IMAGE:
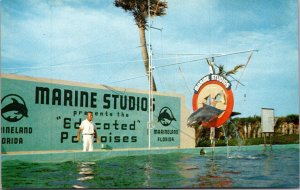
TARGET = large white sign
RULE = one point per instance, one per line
(267, 120)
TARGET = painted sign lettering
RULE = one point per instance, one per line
(46, 116)
(214, 90)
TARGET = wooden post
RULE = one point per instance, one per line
(271, 134)
(265, 141)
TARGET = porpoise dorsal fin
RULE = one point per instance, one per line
(14, 100)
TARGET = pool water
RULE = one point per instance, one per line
(240, 169)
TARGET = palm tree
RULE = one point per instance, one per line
(230, 72)
(139, 10)
(221, 70)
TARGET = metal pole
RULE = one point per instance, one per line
(150, 78)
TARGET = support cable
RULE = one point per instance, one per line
(244, 69)
(184, 79)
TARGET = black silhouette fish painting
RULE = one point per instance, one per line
(166, 116)
(14, 111)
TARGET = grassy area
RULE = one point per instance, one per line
(276, 139)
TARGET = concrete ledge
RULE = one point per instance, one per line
(100, 154)
(78, 155)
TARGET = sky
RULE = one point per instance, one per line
(95, 42)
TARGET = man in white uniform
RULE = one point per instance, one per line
(88, 132)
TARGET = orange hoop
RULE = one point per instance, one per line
(229, 106)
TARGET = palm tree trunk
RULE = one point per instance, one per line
(146, 57)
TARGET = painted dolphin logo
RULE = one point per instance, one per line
(166, 116)
(206, 113)
(14, 108)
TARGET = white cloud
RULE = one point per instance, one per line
(104, 40)
(63, 34)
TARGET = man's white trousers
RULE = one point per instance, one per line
(88, 142)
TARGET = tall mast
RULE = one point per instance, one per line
(150, 106)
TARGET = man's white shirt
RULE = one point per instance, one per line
(87, 127)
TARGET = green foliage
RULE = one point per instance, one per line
(293, 118)
(286, 139)
(204, 143)
(234, 70)
(221, 70)
(139, 9)
(246, 120)
(276, 139)
(231, 131)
